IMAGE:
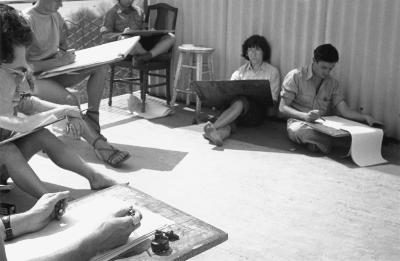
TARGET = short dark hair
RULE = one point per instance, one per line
(259, 42)
(326, 53)
(15, 31)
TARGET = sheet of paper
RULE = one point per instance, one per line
(94, 56)
(46, 121)
(78, 222)
(155, 107)
(366, 142)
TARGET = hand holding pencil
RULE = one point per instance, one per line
(313, 115)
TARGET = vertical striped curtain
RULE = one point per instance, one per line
(366, 33)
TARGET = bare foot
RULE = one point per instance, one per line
(101, 181)
(212, 134)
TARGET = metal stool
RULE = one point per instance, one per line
(196, 55)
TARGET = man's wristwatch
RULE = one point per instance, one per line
(7, 227)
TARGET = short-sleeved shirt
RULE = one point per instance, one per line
(47, 30)
(299, 89)
(118, 18)
(265, 72)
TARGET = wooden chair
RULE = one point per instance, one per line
(160, 17)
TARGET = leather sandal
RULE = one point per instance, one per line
(114, 153)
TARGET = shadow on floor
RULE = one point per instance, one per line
(141, 157)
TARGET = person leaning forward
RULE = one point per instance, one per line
(309, 93)
(48, 51)
(21, 112)
(106, 234)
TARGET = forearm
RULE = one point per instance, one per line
(28, 123)
(20, 224)
(353, 115)
(81, 250)
(40, 105)
(44, 65)
(290, 112)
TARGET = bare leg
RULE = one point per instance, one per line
(20, 171)
(53, 89)
(63, 157)
(50, 90)
(139, 53)
(163, 45)
(229, 115)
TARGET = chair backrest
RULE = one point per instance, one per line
(161, 16)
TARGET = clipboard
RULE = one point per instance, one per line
(50, 120)
(147, 32)
(333, 132)
(95, 56)
(221, 93)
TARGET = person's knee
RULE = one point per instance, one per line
(296, 131)
(101, 70)
(42, 135)
(8, 150)
(238, 104)
(71, 99)
(172, 38)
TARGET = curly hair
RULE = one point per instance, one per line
(258, 41)
(15, 31)
(327, 53)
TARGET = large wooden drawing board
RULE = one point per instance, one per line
(196, 236)
(221, 93)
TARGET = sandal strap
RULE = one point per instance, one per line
(111, 157)
(100, 137)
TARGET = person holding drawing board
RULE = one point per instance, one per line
(21, 112)
(244, 110)
(48, 50)
(309, 93)
(126, 16)
(106, 234)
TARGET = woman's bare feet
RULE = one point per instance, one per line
(212, 134)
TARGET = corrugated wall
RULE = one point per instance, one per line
(366, 33)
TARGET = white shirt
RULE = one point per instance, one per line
(265, 72)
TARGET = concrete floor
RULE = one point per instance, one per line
(275, 200)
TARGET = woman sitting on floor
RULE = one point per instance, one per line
(16, 35)
(243, 110)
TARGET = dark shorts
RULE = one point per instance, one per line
(5, 134)
(148, 42)
(253, 112)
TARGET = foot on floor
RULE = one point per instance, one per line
(212, 134)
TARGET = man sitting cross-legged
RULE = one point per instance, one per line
(47, 51)
(309, 93)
